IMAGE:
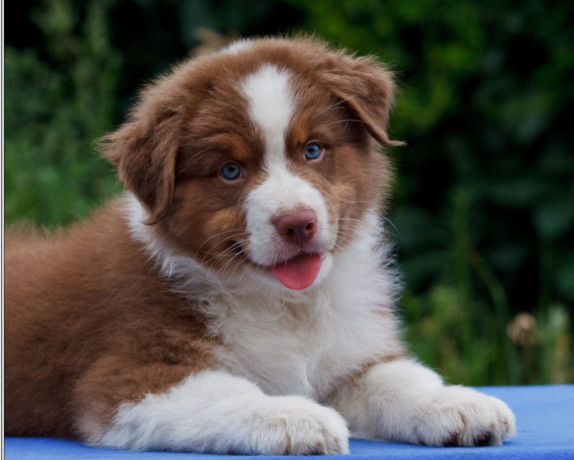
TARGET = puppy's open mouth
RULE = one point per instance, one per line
(297, 273)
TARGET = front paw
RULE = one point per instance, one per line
(459, 416)
(297, 426)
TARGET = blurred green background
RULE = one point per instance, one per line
(483, 213)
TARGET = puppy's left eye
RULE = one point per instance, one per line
(231, 171)
(313, 151)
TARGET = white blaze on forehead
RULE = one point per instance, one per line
(237, 46)
(271, 107)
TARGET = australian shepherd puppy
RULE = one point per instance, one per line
(240, 296)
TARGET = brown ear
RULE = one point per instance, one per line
(144, 150)
(367, 88)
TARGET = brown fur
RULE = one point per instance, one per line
(90, 323)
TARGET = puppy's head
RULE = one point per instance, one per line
(261, 159)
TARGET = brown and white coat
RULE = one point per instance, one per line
(164, 321)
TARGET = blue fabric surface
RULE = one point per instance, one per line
(544, 414)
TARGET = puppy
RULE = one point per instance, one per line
(240, 297)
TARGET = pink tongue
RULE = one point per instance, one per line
(298, 273)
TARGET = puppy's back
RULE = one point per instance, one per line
(35, 384)
(59, 315)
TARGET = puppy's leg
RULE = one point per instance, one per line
(404, 401)
(212, 411)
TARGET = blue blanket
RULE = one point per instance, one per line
(544, 415)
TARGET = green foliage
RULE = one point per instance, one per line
(483, 205)
(54, 115)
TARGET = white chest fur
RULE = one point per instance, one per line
(302, 342)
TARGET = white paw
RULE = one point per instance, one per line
(459, 416)
(297, 426)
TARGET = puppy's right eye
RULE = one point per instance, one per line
(231, 171)
(313, 151)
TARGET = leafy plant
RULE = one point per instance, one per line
(55, 112)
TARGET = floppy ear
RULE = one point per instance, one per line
(144, 151)
(367, 88)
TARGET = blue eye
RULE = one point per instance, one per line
(231, 171)
(313, 151)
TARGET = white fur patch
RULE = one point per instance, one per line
(215, 412)
(237, 46)
(405, 401)
(271, 106)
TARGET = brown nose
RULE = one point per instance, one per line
(298, 227)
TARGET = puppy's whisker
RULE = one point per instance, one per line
(348, 203)
(349, 120)
(215, 258)
(392, 224)
(212, 258)
(238, 255)
(362, 221)
(237, 229)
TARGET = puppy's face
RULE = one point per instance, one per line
(262, 159)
